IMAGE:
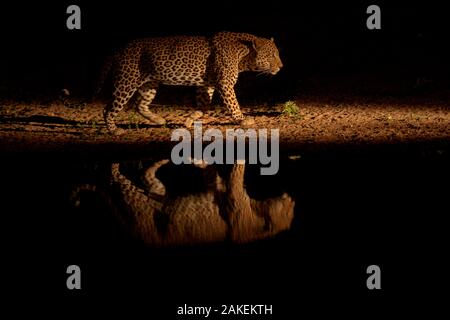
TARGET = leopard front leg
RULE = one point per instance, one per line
(244, 224)
(226, 91)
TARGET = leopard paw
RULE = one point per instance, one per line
(196, 115)
(189, 122)
(193, 117)
(158, 120)
(249, 121)
(117, 132)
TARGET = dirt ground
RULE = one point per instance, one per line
(320, 122)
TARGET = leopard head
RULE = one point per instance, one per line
(264, 57)
(278, 212)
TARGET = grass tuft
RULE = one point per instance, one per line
(290, 109)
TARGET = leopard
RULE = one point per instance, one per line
(212, 64)
(222, 211)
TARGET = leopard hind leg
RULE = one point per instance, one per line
(147, 93)
(204, 96)
(121, 96)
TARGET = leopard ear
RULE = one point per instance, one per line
(249, 44)
(271, 39)
(257, 44)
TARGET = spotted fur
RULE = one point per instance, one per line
(223, 211)
(211, 64)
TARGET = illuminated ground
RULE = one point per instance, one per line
(320, 122)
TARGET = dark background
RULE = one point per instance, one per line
(352, 212)
(319, 40)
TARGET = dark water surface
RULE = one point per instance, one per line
(348, 211)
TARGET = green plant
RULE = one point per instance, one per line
(291, 109)
(133, 119)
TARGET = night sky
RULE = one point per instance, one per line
(40, 53)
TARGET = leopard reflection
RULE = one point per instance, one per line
(222, 211)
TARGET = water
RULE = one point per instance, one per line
(313, 227)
